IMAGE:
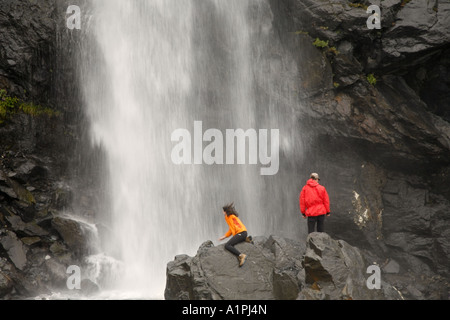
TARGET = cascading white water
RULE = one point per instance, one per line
(160, 65)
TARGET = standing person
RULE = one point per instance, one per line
(314, 204)
(237, 230)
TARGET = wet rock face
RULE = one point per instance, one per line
(25, 66)
(410, 31)
(335, 270)
(15, 249)
(276, 268)
(382, 149)
(37, 244)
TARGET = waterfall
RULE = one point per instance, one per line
(155, 66)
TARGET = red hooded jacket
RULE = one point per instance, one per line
(314, 200)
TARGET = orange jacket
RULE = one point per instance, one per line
(235, 224)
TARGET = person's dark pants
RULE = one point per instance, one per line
(240, 237)
(319, 220)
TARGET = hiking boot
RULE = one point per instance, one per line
(249, 239)
(242, 259)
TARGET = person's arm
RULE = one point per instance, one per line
(326, 201)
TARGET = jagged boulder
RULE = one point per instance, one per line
(276, 269)
(214, 272)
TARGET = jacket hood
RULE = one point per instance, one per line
(312, 183)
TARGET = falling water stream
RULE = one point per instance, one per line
(156, 66)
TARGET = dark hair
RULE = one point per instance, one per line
(230, 209)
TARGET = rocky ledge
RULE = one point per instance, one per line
(283, 269)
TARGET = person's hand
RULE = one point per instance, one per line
(222, 238)
(328, 214)
(304, 216)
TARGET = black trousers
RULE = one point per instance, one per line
(240, 237)
(319, 220)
